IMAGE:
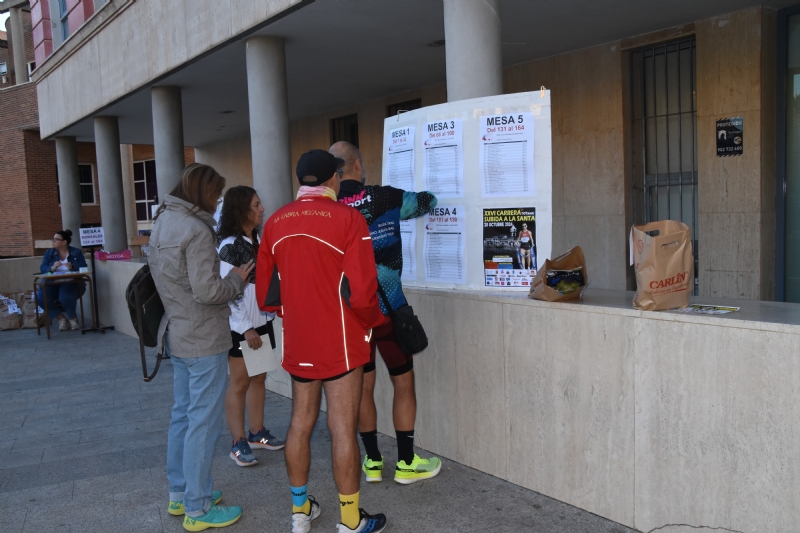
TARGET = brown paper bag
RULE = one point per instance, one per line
(663, 264)
(9, 319)
(568, 261)
(28, 308)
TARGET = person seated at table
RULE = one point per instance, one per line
(62, 259)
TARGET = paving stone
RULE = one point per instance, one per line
(83, 450)
(12, 520)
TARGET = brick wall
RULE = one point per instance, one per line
(20, 119)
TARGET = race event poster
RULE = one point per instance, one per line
(509, 246)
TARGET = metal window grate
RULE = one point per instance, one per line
(345, 129)
(664, 135)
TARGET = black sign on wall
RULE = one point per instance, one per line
(730, 138)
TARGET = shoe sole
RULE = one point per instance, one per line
(202, 526)
(240, 463)
(259, 446)
(372, 479)
(426, 475)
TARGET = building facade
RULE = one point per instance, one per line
(647, 428)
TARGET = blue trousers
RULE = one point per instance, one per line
(66, 293)
(199, 388)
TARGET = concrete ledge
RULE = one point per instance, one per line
(646, 418)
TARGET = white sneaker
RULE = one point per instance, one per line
(301, 522)
(63, 324)
(73, 324)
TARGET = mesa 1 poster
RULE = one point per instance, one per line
(509, 246)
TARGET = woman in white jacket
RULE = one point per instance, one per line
(240, 221)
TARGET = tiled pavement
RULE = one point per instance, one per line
(83, 442)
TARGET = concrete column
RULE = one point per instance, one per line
(18, 44)
(128, 190)
(473, 48)
(269, 121)
(167, 137)
(109, 175)
(69, 184)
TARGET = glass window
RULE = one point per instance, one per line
(345, 129)
(664, 140)
(86, 180)
(145, 187)
(408, 105)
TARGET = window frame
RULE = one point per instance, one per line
(146, 200)
(344, 121)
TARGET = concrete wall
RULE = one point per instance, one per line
(124, 47)
(646, 418)
(112, 281)
(736, 65)
(16, 275)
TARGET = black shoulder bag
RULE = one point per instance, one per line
(407, 328)
(146, 310)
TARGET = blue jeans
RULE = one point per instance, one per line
(66, 293)
(199, 385)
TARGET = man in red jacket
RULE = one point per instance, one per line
(316, 269)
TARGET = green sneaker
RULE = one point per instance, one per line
(217, 516)
(176, 508)
(418, 469)
(373, 469)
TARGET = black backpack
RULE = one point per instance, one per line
(147, 310)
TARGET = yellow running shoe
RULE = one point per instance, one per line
(418, 469)
(176, 508)
(373, 469)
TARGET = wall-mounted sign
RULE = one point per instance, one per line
(92, 237)
(730, 137)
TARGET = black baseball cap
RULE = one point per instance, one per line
(315, 167)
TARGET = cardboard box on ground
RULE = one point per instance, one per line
(18, 310)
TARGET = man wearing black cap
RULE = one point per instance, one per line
(317, 271)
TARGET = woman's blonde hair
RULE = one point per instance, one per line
(201, 186)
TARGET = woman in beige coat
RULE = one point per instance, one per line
(195, 333)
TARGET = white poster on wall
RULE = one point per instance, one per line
(506, 155)
(408, 232)
(445, 241)
(443, 170)
(399, 155)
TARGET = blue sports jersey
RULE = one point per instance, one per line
(384, 207)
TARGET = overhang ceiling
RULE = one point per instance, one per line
(341, 52)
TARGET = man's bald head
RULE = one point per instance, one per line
(353, 162)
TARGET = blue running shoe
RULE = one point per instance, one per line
(242, 454)
(370, 523)
(217, 516)
(263, 440)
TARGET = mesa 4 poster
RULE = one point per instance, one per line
(509, 246)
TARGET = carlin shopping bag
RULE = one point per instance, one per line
(661, 254)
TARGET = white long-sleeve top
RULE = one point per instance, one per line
(245, 313)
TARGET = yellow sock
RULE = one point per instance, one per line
(305, 508)
(350, 515)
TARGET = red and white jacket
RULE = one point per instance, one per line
(316, 269)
